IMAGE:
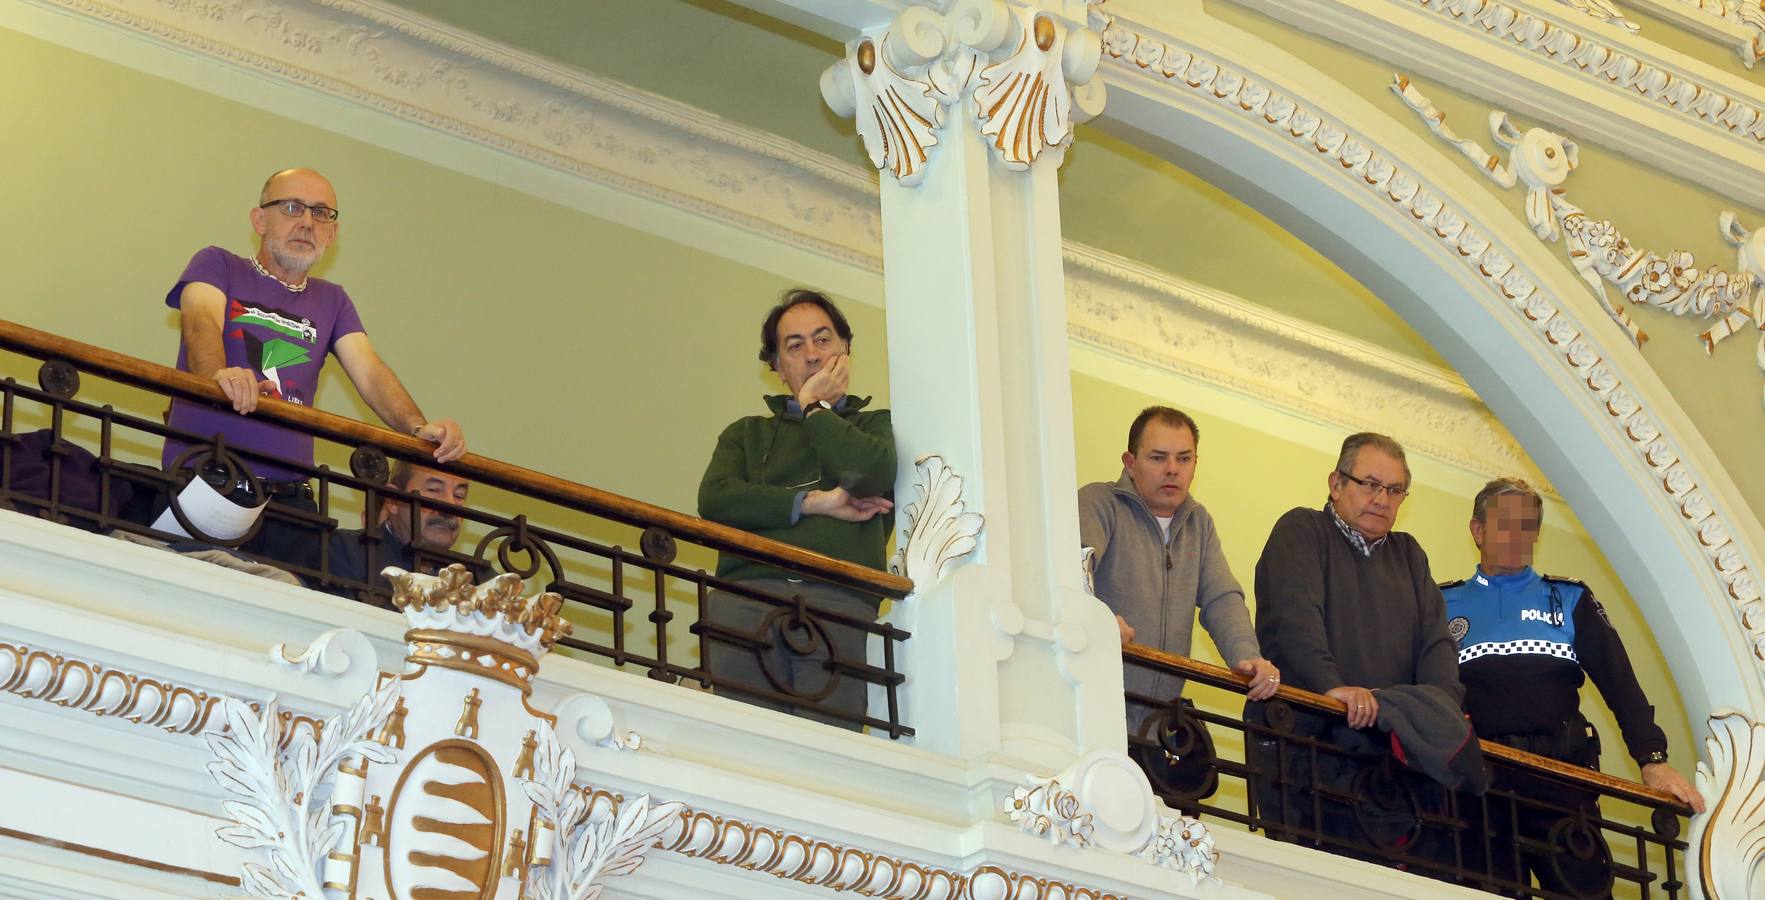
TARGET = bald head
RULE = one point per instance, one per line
(292, 242)
(275, 186)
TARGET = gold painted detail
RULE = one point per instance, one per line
(1725, 843)
(281, 796)
(446, 815)
(467, 726)
(74, 683)
(497, 604)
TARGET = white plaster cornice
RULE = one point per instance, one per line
(1572, 70)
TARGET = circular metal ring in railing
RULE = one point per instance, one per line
(657, 544)
(1665, 822)
(1386, 809)
(215, 463)
(1180, 762)
(1579, 857)
(59, 377)
(1280, 715)
(515, 539)
(802, 635)
(369, 464)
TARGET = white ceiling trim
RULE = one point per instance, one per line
(1616, 88)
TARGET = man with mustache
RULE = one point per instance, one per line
(819, 472)
(403, 530)
(1157, 563)
(1347, 607)
(260, 326)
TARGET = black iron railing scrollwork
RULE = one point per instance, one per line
(1544, 829)
(624, 602)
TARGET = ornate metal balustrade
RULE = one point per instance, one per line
(1295, 771)
(611, 591)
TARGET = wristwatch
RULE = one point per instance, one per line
(819, 404)
(1654, 756)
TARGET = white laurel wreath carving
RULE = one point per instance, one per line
(285, 783)
(939, 531)
(597, 840)
(1731, 838)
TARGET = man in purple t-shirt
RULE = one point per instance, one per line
(260, 326)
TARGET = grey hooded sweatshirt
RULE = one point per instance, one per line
(1157, 586)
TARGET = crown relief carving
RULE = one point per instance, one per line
(1598, 250)
(1024, 74)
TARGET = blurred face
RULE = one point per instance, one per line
(295, 243)
(1162, 466)
(1507, 534)
(806, 342)
(1369, 508)
(436, 527)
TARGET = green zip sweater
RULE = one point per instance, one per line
(762, 463)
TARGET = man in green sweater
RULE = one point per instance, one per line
(818, 473)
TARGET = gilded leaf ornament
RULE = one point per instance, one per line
(939, 531)
(1024, 74)
(1729, 840)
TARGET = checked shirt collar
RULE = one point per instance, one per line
(1355, 539)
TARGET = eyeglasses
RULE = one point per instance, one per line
(293, 209)
(1393, 491)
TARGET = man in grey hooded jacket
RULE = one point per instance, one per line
(1158, 560)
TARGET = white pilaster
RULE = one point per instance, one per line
(968, 112)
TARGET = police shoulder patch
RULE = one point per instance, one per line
(1562, 580)
(1458, 628)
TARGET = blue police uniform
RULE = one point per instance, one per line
(1526, 644)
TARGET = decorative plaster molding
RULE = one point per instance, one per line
(812, 861)
(939, 532)
(1346, 155)
(330, 655)
(1737, 22)
(1134, 311)
(1023, 73)
(1045, 809)
(285, 782)
(1596, 248)
(1604, 11)
(94, 687)
(378, 56)
(1730, 840)
(1606, 61)
(586, 837)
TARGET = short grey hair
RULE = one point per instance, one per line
(1502, 487)
(1351, 448)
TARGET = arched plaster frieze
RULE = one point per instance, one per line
(1465, 270)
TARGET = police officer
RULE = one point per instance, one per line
(1525, 641)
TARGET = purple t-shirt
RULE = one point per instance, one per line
(281, 335)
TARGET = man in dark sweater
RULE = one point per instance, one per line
(1522, 634)
(819, 473)
(1345, 607)
(360, 555)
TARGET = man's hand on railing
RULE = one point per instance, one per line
(243, 387)
(1265, 679)
(1363, 707)
(1127, 630)
(1663, 777)
(447, 435)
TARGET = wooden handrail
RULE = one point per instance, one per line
(1219, 676)
(526, 482)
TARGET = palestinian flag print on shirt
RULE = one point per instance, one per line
(293, 345)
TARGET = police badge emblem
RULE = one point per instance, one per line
(1458, 628)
